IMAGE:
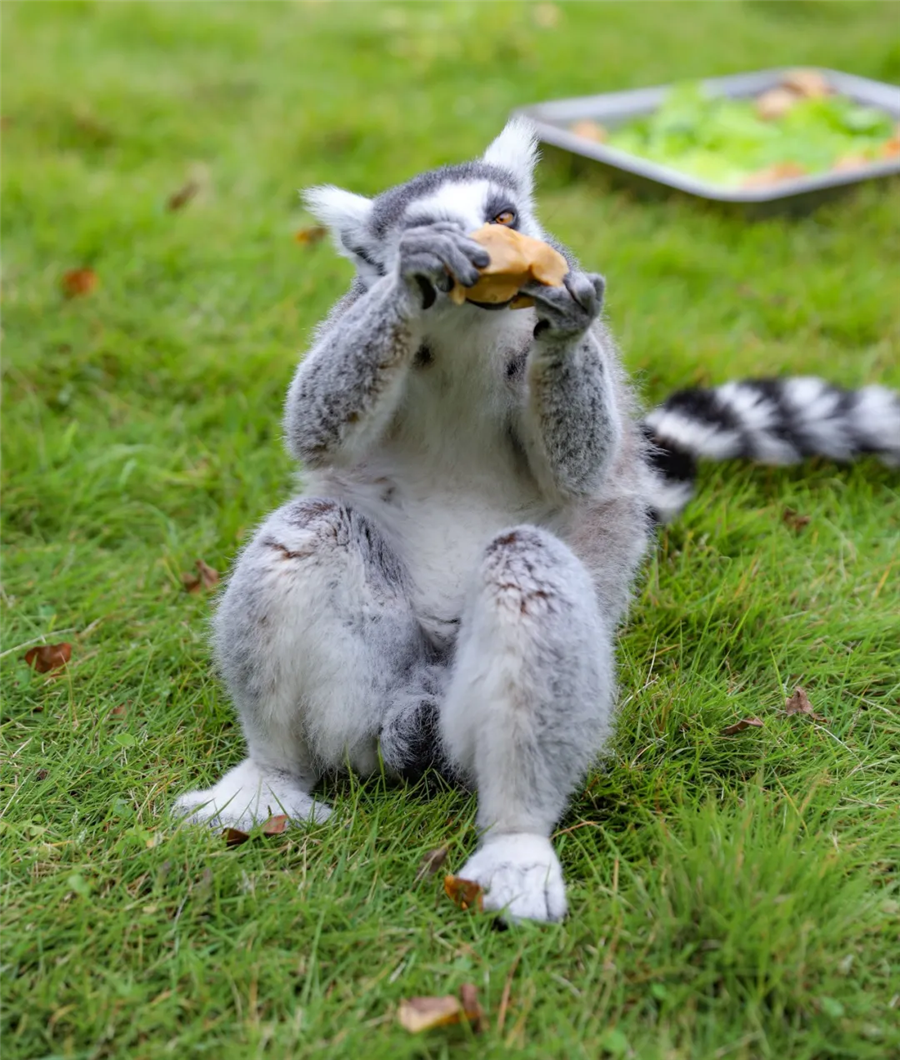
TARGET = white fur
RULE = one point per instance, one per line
(247, 795)
(758, 416)
(516, 149)
(343, 212)
(461, 201)
(521, 877)
(877, 416)
(427, 563)
(695, 436)
(456, 481)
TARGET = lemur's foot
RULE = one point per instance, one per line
(248, 795)
(521, 877)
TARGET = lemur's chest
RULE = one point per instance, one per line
(450, 470)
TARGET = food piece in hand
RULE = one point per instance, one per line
(516, 259)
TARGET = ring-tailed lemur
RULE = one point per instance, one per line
(445, 591)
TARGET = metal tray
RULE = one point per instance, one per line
(553, 118)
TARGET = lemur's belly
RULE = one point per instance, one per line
(439, 530)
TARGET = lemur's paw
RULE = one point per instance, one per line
(569, 309)
(430, 256)
(521, 877)
(246, 796)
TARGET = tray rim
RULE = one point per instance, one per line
(643, 100)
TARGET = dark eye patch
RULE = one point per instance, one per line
(497, 204)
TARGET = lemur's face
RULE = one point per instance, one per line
(495, 189)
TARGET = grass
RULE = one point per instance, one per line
(731, 897)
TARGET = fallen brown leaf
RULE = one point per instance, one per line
(739, 726)
(205, 578)
(472, 1010)
(79, 281)
(464, 893)
(234, 837)
(799, 704)
(208, 577)
(183, 196)
(794, 519)
(120, 711)
(431, 863)
(424, 1013)
(310, 235)
(47, 657)
(275, 825)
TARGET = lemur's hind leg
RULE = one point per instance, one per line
(527, 710)
(313, 636)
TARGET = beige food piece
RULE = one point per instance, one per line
(808, 83)
(851, 161)
(774, 175)
(590, 130)
(775, 103)
(516, 259)
(891, 148)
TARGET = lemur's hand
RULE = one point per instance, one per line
(569, 309)
(432, 255)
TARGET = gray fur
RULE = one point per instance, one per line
(447, 589)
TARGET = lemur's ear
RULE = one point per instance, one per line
(345, 213)
(516, 150)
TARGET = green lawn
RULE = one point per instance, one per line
(731, 897)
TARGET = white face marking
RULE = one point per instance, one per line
(464, 202)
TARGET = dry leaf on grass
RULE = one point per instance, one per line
(234, 837)
(799, 704)
(794, 519)
(464, 893)
(311, 235)
(208, 577)
(275, 825)
(472, 1009)
(425, 1013)
(431, 863)
(183, 196)
(79, 281)
(739, 726)
(205, 578)
(47, 657)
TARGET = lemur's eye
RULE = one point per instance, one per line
(505, 217)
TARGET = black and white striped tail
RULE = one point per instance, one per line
(768, 421)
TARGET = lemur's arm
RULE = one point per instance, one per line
(570, 422)
(349, 384)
